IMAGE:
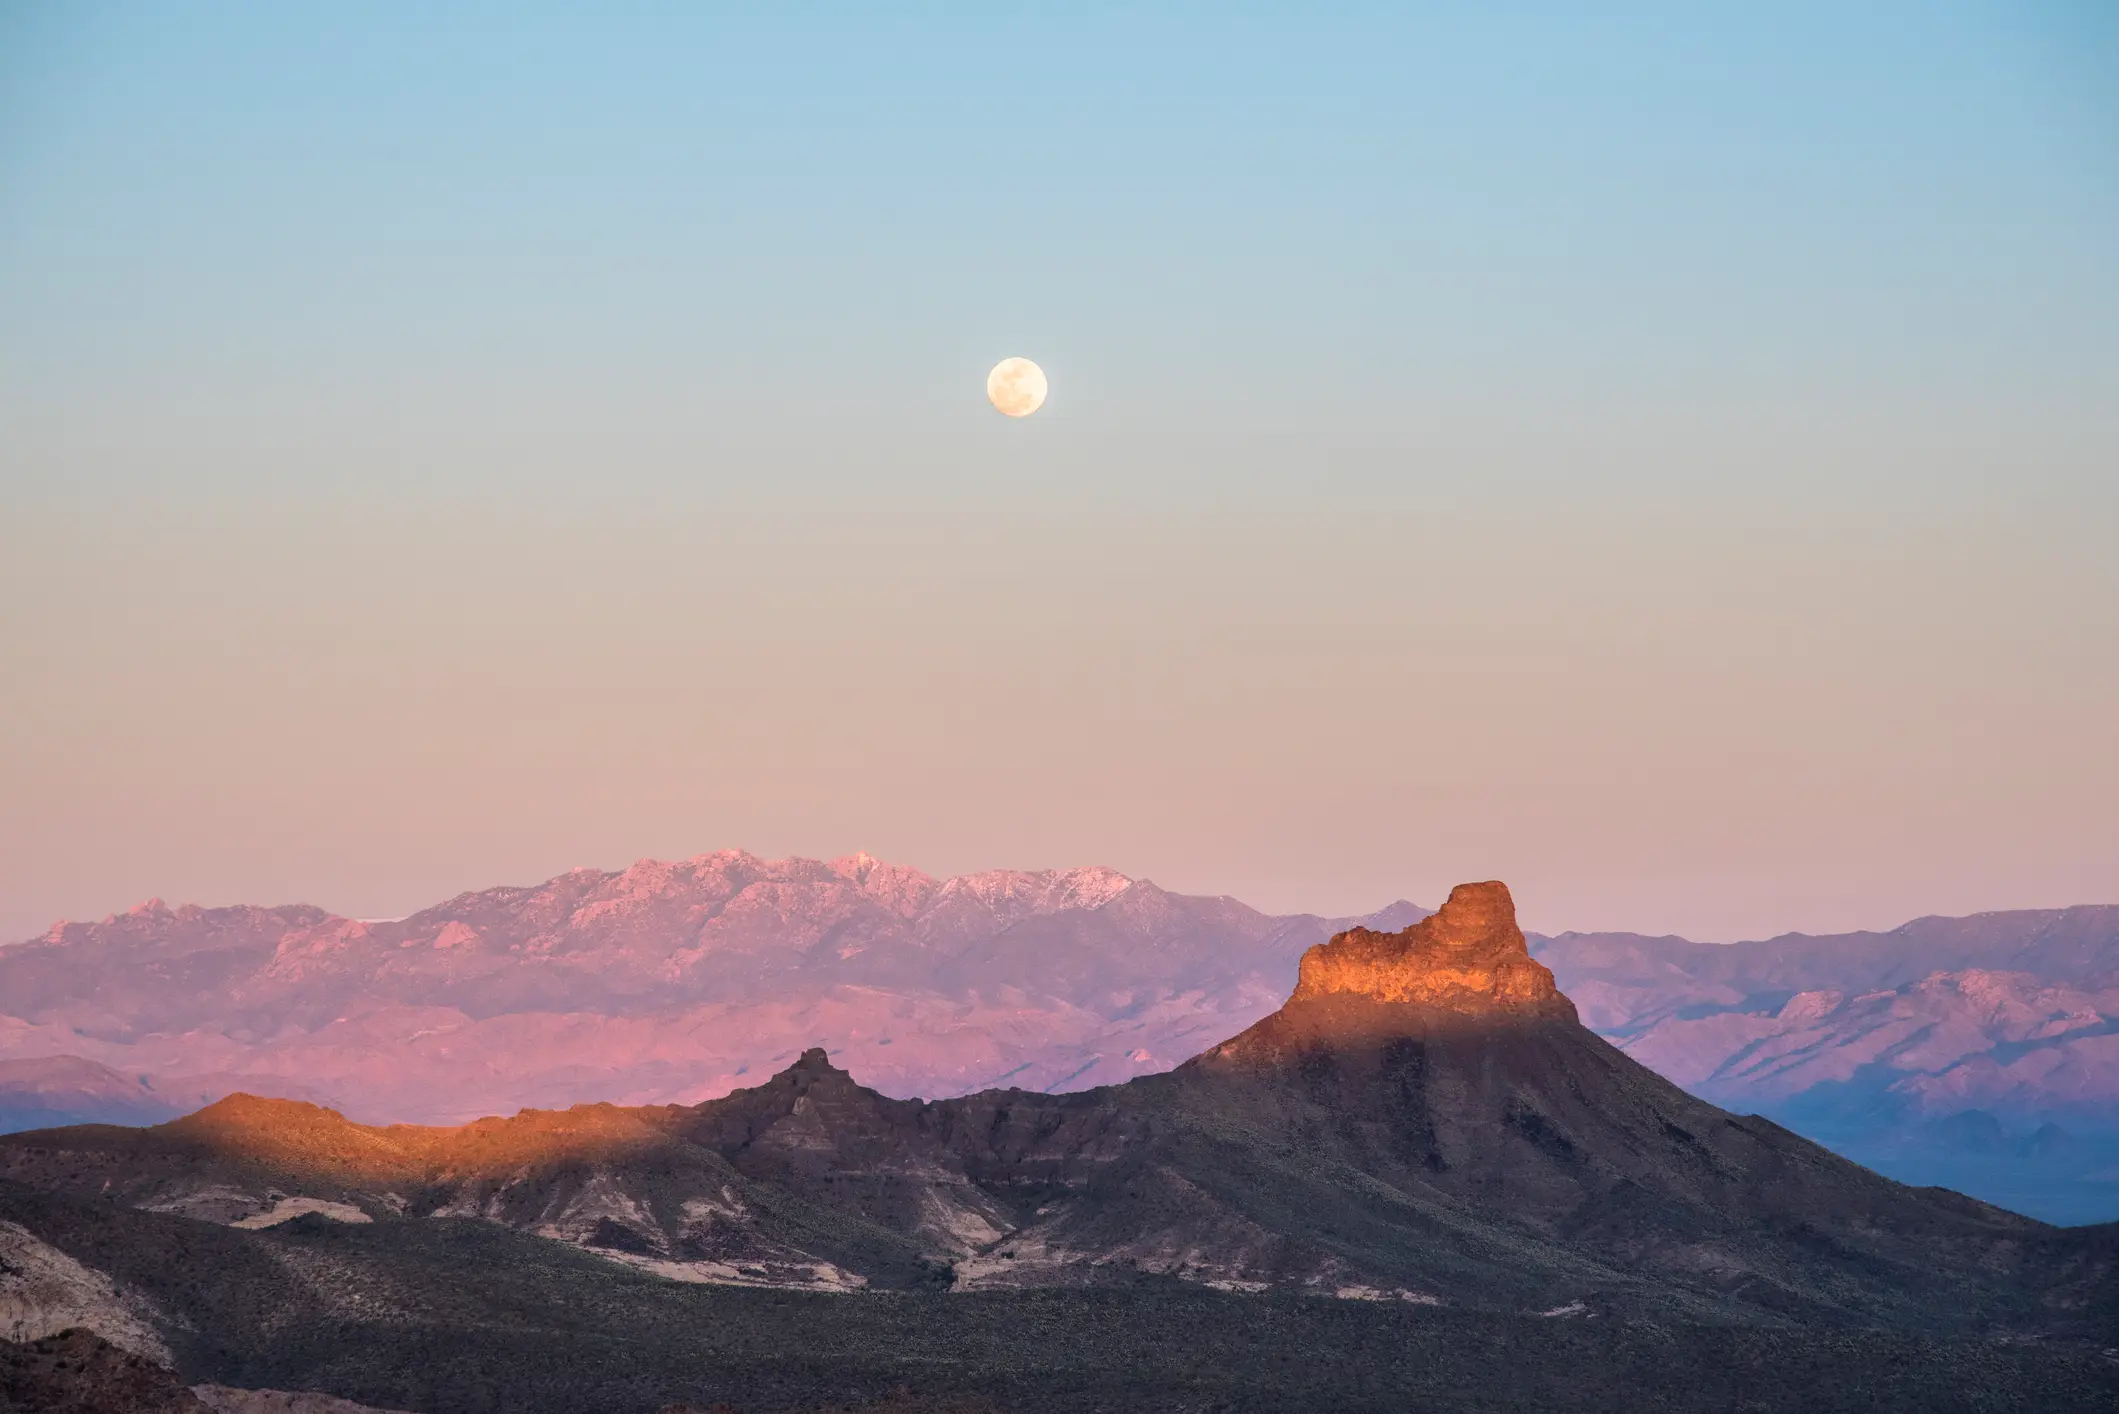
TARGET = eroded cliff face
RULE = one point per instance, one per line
(1470, 957)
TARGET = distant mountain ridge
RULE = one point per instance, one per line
(679, 981)
(2017, 1010)
(664, 981)
(1979, 1052)
(1632, 970)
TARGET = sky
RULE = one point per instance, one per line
(1663, 456)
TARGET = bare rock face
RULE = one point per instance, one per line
(1470, 957)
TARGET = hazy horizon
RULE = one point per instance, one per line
(1530, 923)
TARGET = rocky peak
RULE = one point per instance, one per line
(855, 867)
(1468, 957)
(812, 1068)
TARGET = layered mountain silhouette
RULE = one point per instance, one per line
(1980, 1053)
(1425, 1121)
(2013, 1011)
(663, 982)
(676, 981)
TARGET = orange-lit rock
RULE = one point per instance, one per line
(1469, 957)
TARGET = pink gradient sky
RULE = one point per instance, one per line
(1638, 725)
(1661, 457)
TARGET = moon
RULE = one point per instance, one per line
(1016, 387)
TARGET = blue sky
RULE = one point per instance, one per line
(1183, 209)
(1633, 300)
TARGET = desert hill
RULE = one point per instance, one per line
(1421, 1182)
(458, 1315)
(1980, 1053)
(1425, 1120)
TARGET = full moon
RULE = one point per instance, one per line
(1016, 386)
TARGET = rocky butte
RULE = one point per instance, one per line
(1469, 957)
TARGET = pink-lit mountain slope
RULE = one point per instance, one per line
(1977, 1053)
(667, 982)
(2012, 1011)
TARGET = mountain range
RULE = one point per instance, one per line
(1419, 1182)
(664, 982)
(1980, 1052)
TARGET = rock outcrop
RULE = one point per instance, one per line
(1469, 957)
